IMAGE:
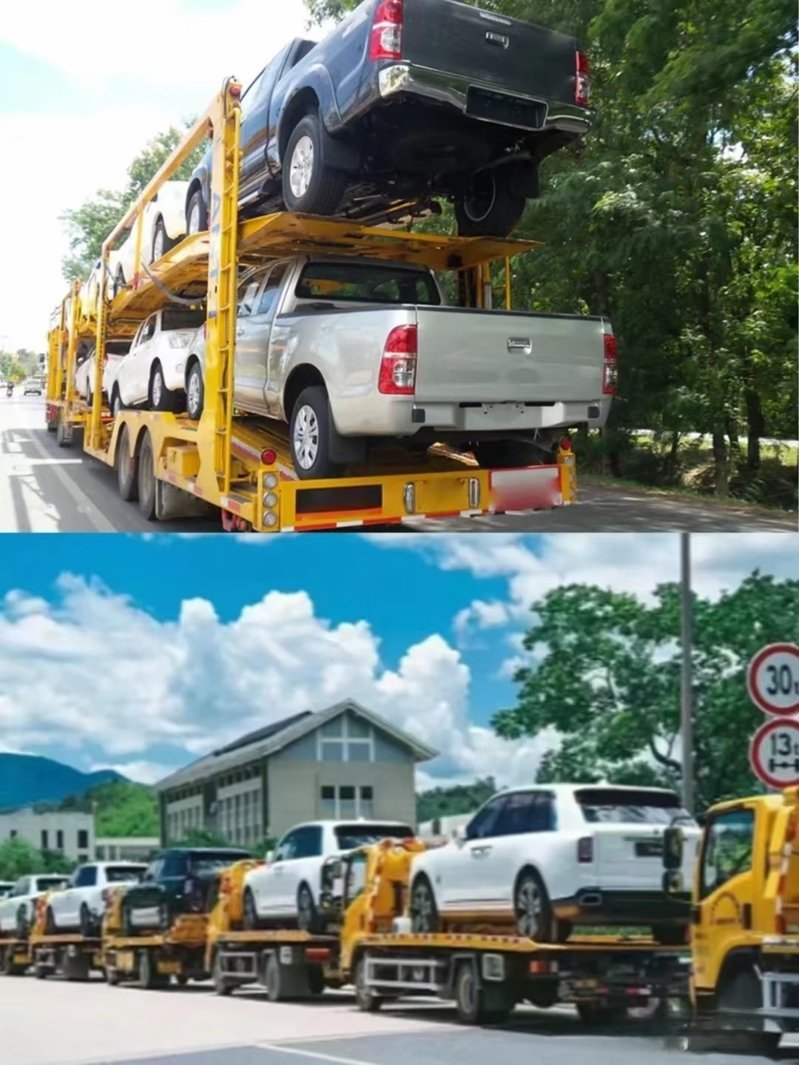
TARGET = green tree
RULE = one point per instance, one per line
(87, 226)
(121, 808)
(18, 858)
(202, 837)
(456, 799)
(609, 682)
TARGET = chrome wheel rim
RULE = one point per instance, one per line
(194, 217)
(529, 905)
(194, 393)
(302, 163)
(423, 908)
(158, 387)
(306, 437)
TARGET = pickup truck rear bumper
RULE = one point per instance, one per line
(453, 90)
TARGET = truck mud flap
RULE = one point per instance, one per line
(172, 502)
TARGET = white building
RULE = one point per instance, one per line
(66, 832)
(126, 848)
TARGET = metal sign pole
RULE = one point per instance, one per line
(686, 694)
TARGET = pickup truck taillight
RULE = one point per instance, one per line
(398, 366)
(582, 83)
(385, 39)
(610, 368)
(585, 849)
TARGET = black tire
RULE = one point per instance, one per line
(479, 1005)
(532, 909)
(119, 282)
(196, 208)
(116, 401)
(325, 186)
(600, 1013)
(669, 935)
(86, 922)
(125, 463)
(307, 914)
(181, 980)
(145, 475)
(488, 207)
(112, 976)
(273, 980)
(161, 238)
(41, 972)
(149, 976)
(365, 999)
(505, 454)
(309, 435)
(316, 980)
(159, 396)
(424, 912)
(63, 434)
(23, 924)
(251, 920)
(195, 391)
(49, 923)
(221, 985)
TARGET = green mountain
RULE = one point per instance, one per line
(26, 779)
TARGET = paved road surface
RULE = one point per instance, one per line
(55, 1023)
(44, 488)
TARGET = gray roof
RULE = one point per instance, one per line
(267, 741)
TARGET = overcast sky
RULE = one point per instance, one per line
(144, 653)
(82, 89)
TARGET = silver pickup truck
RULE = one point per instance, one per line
(352, 351)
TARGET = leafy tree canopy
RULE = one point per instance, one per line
(456, 799)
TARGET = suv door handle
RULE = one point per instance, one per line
(479, 851)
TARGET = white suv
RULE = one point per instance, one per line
(153, 373)
(82, 904)
(289, 886)
(547, 857)
(18, 908)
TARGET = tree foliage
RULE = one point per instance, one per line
(19, 858)
(88, 225)
(456, 799)
(121, 808)
(607, 677)
(676, 216)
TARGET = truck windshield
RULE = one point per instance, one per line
(183, 318)
(629, 807)
(367, 283)
(350, 837)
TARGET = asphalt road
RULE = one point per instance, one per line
(55, 1023)
(44, 488)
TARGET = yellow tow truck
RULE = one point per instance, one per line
(745, 923)
(241, 466)
(70, 954)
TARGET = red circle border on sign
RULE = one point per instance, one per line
(752, 669)
(766, 728)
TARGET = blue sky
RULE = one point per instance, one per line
(143, 653)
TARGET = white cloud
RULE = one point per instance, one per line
(142, 772)
(93, 669)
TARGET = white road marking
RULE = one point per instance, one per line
(313, 1054)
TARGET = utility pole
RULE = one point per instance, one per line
(686, 693)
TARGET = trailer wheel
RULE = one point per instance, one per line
(488, 207)
(149, 976)
(125, 463)
(273, 979)
(221, 985)
(310, 186)
(476, 1004)
(743, 993)
(146, 478)
(366, 1000)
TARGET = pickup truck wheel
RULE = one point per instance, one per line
(196, 213)
(309, 185)
(532, 908)
(161, 398)
(307, 916)
(424, 912)
(487, 207)
(309, 433)
(195, 392)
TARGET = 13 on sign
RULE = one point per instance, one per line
(773, 679)
(774, 753)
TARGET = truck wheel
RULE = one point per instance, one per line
(161, 398)
(532, 908)
(221, 986)
(161, 242)
(196, 213)
(309, 433)
(479, 1005)
(149, 976)
(365, 999)
(195, 392)
(309, 185)
(424, 912)
(146, 479)
(112, 976)
(487, 207)
(126, 468)
(307, 916)
(273, 980)
(41, 972)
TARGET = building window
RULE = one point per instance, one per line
(83, 839)
(346, 801)
(59, 839)
(346, 739)
(12, 834)
(327, 806)
(366, 807)
(45, 840)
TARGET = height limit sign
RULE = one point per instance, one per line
(773, 684)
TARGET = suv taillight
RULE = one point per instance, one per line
(398, 365)
(610, 369)
(385, 38)
(585, 849)
(582, 83)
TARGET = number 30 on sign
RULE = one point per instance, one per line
(773, 679)
(774, 753)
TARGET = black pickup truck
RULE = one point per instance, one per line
(405, 102)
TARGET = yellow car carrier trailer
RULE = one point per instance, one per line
(152, 960)
(175, 467)
(74, 957)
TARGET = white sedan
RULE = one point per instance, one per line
(81, 904)
(115, 352)
(545, 857)
(17, 909)
(163, 226)
(153, 373)
(289, 885)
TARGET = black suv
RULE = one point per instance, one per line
(177, 881)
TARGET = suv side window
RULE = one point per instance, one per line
(248, 294)
(526, 811)
(486, 821)
(308, 842)
(86, 876)
(21, 886)
(148, 330)
(287, 848)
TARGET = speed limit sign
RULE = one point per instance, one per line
(773, 679)
(774, 753)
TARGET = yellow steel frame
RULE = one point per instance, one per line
(221, 460)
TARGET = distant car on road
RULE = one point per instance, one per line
(32, 387)
(82, 904)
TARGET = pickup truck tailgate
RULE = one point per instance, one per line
(493, 357)
(515, 56)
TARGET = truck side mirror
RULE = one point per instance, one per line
(673, 844)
